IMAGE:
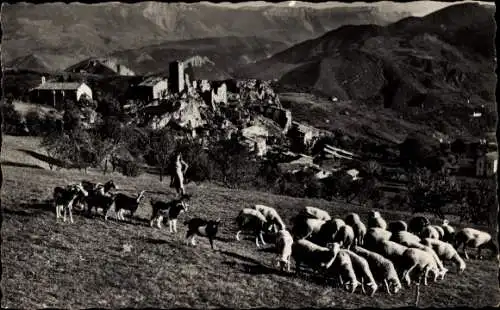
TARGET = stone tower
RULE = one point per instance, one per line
(177, 76)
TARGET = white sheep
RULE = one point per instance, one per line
(363, 271)
(470, 237)
(396, 226)
(376, 220)
(412, 241)
(284, 243)
(440, 231)
(445, 251)
(251, 220)
(375, 235)
(307, 227)
(312, 212)
(345, 236)
(327, 232)
(449, 231)
(313, 255)
(389, 249)
(343, 268)
(271, 216)
(353, 220)
(429, 231)
(382, 268)
(415, 258)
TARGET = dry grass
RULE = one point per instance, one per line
(84, 265)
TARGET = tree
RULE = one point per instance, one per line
(431, 191)
(162, 145)
(411, 152)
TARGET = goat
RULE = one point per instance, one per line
(64, 199)
(122, 202)
(201, 227)
(171, 210)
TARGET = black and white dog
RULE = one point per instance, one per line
(168, 210)
(200, 227)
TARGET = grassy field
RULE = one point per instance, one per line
(84, 265)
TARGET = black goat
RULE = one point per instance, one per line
(93, 189)
(122, 202)
(169, 210)
(64, 199)
(201, 227)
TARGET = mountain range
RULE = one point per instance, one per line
(56, 35)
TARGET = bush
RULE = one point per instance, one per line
(130, 168)
(11, 122)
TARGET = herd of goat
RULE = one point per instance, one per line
(345, 250)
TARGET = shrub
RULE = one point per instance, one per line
(11, 119)
(130, 168)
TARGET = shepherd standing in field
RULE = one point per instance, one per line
(177, 179)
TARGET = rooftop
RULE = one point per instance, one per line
(59, 86)
(152, 81)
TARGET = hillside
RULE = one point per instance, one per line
(222, 54)
(49, 264)
(81, 31)
(424, 67)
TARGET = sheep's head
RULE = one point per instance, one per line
(395, 285)
(445, 222)
(461, 266)
(374, 214)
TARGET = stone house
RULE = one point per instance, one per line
(151, 89)
(54, 93)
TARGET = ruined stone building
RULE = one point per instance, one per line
(176, 76)
(151, 89)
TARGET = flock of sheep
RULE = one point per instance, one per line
(345, 250)
(368, 255)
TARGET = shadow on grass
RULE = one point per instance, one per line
(21, 165)
(39, 205)
(154, 241)
(45, 158)
(20, 212)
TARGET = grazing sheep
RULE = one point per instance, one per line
(307, 227)
(313, 255)
(124, 202)
(327, 231)
(284, 243)
(272, 216)
(375, 235)
(312, 212)
(403, 237)
(469, 237)
(429, 231)
(170, 210)
(363, 271)
(415, 258)
(344, 269)
(396, 226)
(251, 220)
(440, 231)
(389, 249)
(353, 220)
(64, 199)
(410, 240)
(345, 236)
(449, 231)
(200, 227)
(376, 220)
(418, 223)
(445, 251)
(382, 268)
